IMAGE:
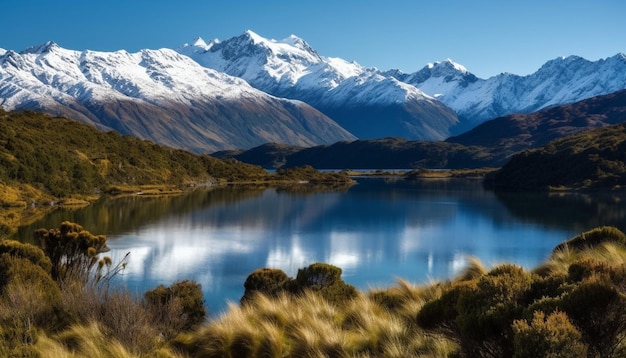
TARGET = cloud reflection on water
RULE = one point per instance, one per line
(375, 232)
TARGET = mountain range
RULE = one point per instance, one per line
(159, 95)
(490, 144)
(248, 90)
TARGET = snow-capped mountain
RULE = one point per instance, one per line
(216, 95)
(362, 100)
(159, 95)
(559, 81)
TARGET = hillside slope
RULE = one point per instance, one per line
(64, 157)
(524, 131)
(593, 159)
(384, 153)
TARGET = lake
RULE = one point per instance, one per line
(376, 231)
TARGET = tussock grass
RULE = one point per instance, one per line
(307, 325)
(609, 253)
(474, 270)
(83, 341)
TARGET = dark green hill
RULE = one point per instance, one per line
(593, 159)
(63, 157)
(385, 153)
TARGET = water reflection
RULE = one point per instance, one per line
(375, 231)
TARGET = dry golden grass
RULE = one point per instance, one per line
(309, 326)
(90, 340)
(609, 253)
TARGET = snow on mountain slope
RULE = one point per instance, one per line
(159, 95)
(559, 81)
(345, 90)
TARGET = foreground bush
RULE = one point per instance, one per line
(57, 301)
(552, 336)
(324, 279)
(577, 299)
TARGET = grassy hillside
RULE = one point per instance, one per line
(590, 160)
(47, 159)
(56, 301)
(62, 157)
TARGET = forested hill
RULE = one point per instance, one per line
(593, 159)
(62, 157)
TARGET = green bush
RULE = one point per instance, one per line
(599, 310)
(29, 301)
(581, 270)
(552, 336)
(180, 306)
(321, 278)
(546, 286)
(442, 312)
(72, 250)
(326, 280)
(26, 251)
(479, 311)
(267, 281)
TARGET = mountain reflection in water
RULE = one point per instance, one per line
(375, 231)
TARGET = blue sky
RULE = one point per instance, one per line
(487, 37)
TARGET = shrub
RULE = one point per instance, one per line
(321, 278)
(597, 308)
(326, 280)
(578, 271)
(72, 250)
(26, 251)
(179, 307)
(480, 311)
(267, 281)
(551, 336)
(545, 286)
(28, 301)
(442, 311)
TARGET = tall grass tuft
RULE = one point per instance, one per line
(82, 341)
(474, 270)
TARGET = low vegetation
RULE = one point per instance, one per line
(58, 299)
(49, 160)
(590, 160)
(384, 153)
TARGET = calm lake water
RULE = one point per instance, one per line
(376, 231)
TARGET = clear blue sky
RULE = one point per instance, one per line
(487, 37)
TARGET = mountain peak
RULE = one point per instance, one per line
(42, 48)
(619, 57)
(253, 37)
(295, 41)
(560, 63)
(449, 65)
(199, 42)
